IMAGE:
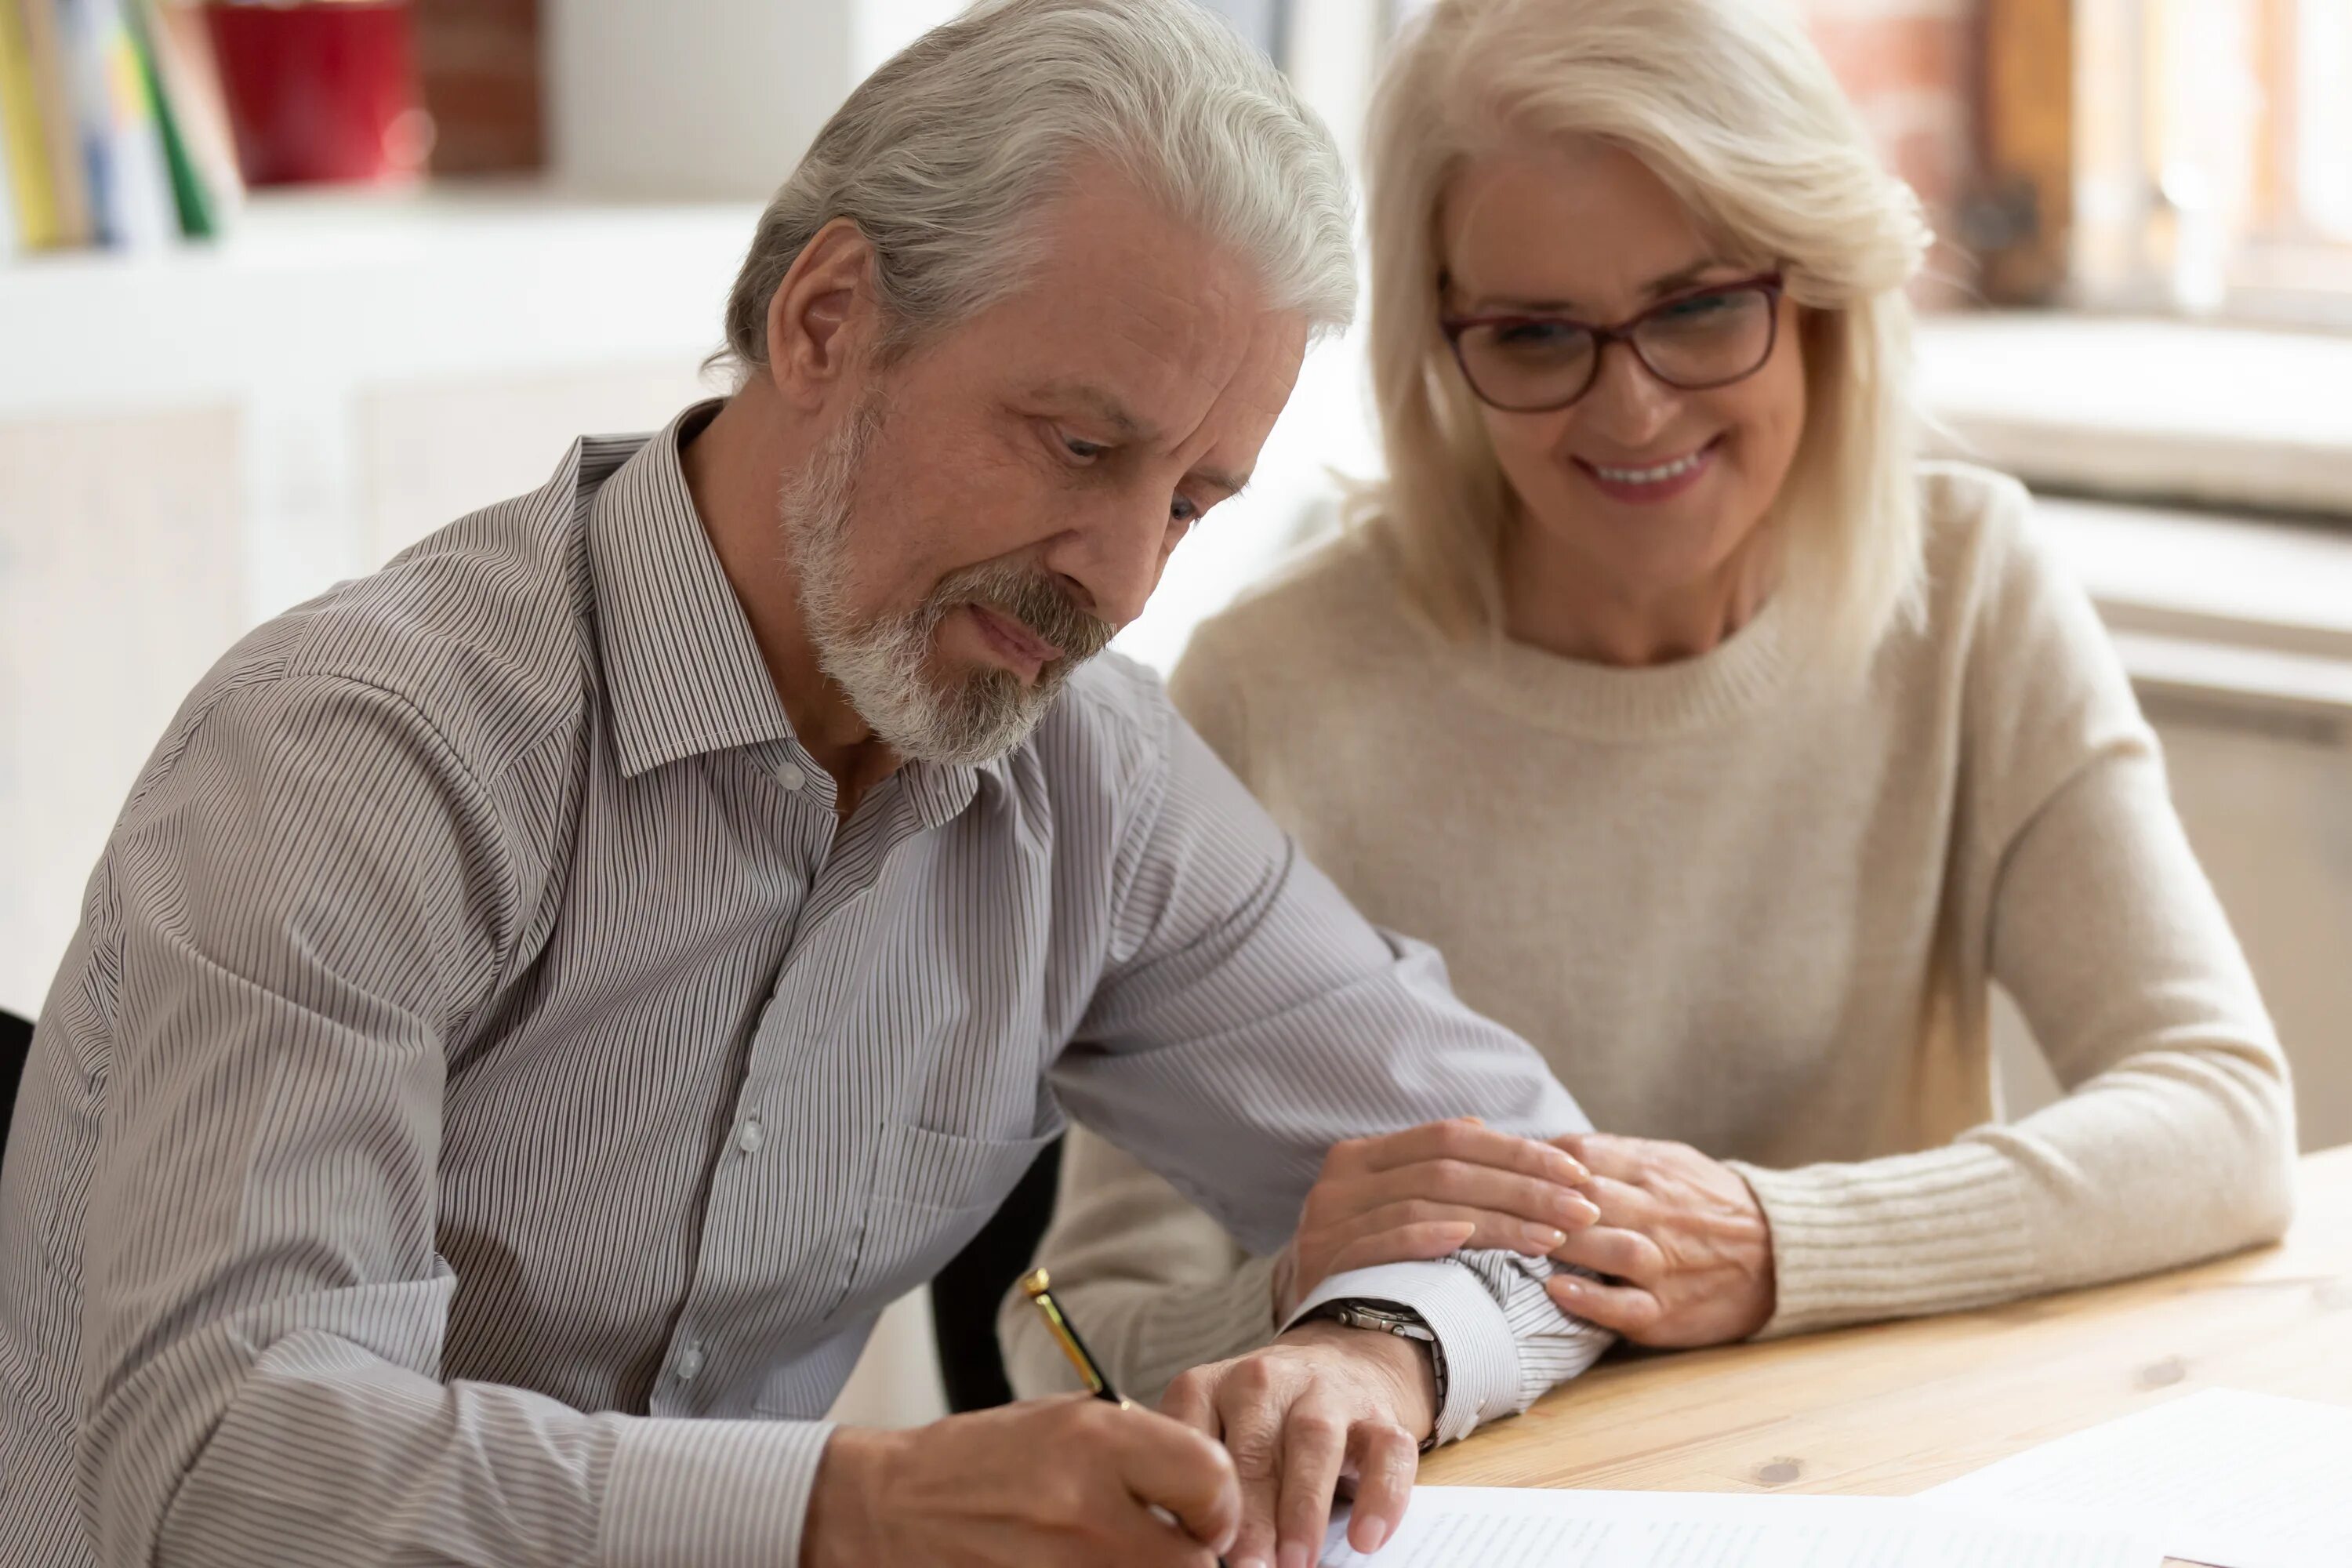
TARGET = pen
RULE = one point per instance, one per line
(1038, 1286)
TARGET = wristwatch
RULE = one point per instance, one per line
(1388, 1317)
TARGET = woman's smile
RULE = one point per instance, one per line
(1646, 483)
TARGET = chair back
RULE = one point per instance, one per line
(15, 1044)
(965, 1293)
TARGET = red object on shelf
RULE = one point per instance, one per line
(325, 91)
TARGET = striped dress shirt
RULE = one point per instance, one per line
(490, 1093)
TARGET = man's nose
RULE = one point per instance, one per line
(1113, 558)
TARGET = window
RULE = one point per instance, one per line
(2213, 157)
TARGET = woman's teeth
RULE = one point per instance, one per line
(1656, 476)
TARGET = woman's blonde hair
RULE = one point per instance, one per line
(1730, 105)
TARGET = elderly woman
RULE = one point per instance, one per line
(1726, 749)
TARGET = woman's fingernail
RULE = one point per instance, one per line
(1543, 1238)
(1292, 1555)
(1375, 1531)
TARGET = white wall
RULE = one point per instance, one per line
(192, 442)
(694, 98)
(717, 99)
(880, 29)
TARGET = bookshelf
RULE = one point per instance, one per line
(403, 281)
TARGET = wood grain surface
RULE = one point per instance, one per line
(1892, 1408)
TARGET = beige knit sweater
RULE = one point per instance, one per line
(1739, 903)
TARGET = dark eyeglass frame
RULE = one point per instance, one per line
(1771, 285)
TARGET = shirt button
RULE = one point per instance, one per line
(751, 1137)
(790, 777)
(689, 1365)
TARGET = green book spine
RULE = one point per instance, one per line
(198, 219)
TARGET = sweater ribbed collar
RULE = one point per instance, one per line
(1607, 702)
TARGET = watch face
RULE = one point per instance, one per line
(1358, 1314)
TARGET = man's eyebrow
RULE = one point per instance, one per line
(1102, 405)
(1230, 483)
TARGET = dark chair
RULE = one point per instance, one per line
(15, 1042)
(965, 1293)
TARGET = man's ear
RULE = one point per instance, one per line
(824, 315)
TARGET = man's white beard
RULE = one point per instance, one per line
(883, 664)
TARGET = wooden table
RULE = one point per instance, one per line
(1892, 1408)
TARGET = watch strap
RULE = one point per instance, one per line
(1392, 1318)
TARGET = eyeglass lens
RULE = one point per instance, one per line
(1701, 340)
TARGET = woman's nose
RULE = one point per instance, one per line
(1627, 403)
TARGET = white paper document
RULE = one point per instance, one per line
(1484, 1527)
(2239, 1480)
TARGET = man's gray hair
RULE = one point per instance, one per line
(942, 156)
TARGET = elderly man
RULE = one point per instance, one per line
(541, 1000)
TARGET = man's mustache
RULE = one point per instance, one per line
(1034, 599)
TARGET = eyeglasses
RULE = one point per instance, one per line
(1710, 336)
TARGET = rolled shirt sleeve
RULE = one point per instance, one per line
(1251, 1018)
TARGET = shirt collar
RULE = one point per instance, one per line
(681, 666)
(683, 671)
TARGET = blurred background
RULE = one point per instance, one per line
(285, 286)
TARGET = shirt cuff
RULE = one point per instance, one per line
(683, 1493)
(1482, 1357)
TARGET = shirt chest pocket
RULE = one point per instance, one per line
(932, 1193)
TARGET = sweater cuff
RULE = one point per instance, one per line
(682, 1492)
(1936, 1231)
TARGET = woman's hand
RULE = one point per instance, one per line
(1427, 1193)
(1683, 1240)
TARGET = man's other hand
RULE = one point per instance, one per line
(1322, 1405)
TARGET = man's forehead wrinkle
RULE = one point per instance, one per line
(1194, 310)
(1205, 355)
(1197, 386)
